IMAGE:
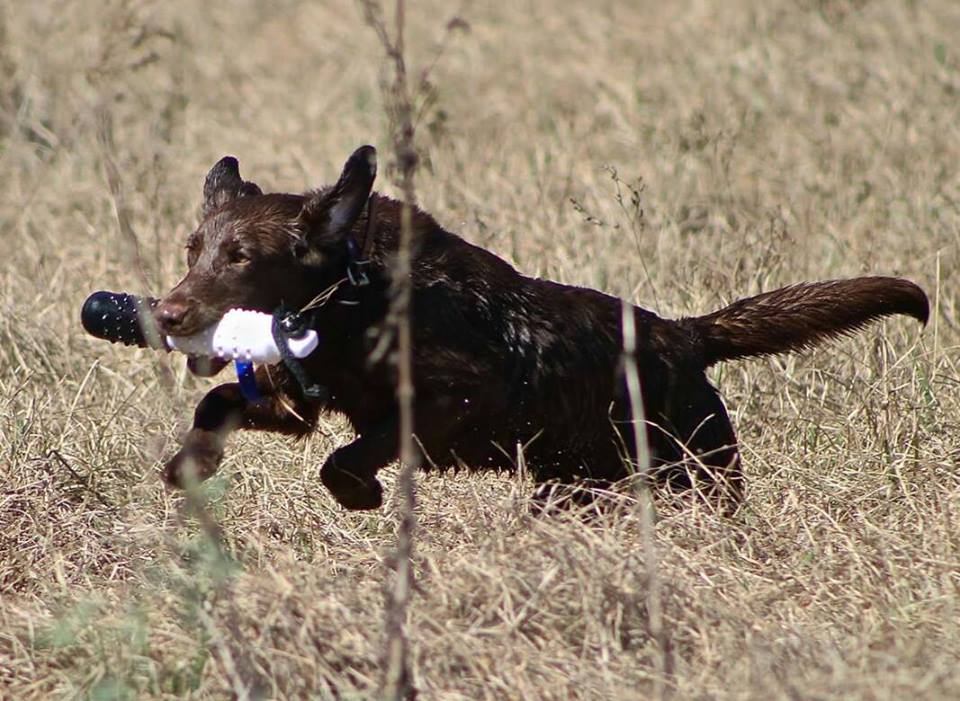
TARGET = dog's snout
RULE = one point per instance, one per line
(170, 316)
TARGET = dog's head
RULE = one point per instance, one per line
(256, 251)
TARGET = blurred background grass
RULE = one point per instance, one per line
(677, 154)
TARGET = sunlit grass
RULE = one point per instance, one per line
(775, 142)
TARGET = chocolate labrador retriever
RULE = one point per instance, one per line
(500, 359)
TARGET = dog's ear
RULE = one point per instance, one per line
(223, 184)
(329, 214)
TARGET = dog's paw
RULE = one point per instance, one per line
(197, 460)
(586, 495)
(547, 497)
(365, 497)
(350, 490)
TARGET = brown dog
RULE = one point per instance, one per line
(500, 359)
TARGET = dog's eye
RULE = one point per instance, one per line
(238, 256)
(193, 250)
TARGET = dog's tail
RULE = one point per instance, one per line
(800, 316)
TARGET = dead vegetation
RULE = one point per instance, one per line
(768, 142)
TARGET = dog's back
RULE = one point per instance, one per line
(533, 363)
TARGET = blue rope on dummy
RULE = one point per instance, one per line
(248, 381)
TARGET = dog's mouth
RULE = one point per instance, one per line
(202, 366)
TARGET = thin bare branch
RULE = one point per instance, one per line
(645, 502)
(397, 682)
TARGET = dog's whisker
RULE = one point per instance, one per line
(324, 297)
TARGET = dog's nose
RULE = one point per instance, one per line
(170, 316)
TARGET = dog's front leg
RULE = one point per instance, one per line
(223, 410)
(350, 473)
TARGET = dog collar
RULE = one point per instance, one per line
(358, 254)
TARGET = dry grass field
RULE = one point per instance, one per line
(770, 141)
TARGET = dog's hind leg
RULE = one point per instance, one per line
(698, 447)
(224, 409)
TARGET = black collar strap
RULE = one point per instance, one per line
(289, 324)
(359, 254)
